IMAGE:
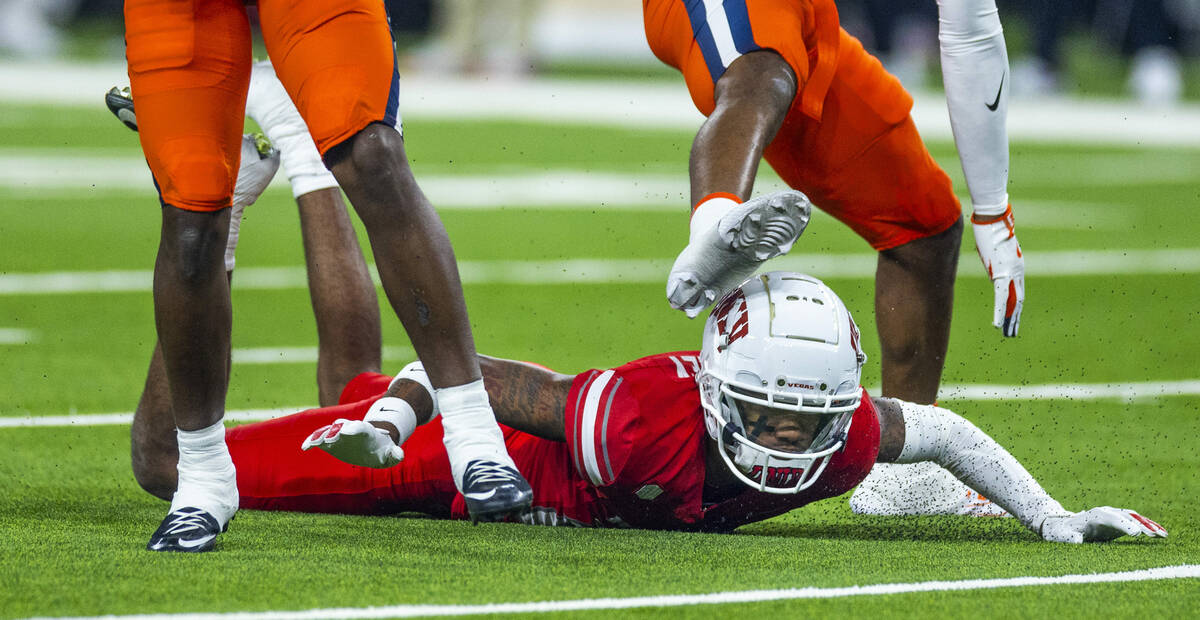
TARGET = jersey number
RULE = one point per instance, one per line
(685, 365)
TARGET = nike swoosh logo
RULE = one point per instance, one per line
(195, 542)
(480, 496)
(995, 104)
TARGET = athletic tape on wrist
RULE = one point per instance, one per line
(394, 411)
(415, 372)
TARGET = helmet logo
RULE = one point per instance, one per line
(733, 321)
(858, 352)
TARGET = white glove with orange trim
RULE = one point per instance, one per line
(1099, 525)
(1001, 255)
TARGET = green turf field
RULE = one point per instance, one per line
(73, 522)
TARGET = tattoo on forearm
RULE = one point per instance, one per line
(527, 398)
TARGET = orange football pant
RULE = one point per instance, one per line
(189, 69)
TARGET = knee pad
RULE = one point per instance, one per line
(195, 173)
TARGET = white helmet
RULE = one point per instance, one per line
(780, 352)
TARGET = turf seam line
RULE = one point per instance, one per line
(1183, 571)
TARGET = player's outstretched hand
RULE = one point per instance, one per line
(357, 443)
(1099, 525)
(1000, 252)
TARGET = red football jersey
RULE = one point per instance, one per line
(636, 434)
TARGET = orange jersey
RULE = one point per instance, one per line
(847, 141)
(701, 38)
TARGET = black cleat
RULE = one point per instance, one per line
(494, 491)
(120, 103)
(189, 530)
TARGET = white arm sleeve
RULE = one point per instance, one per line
(946, 438)
(271, 107)
(976, 77)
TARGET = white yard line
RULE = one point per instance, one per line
(625, 271)
(303, 355)
(117, 419)
(11, 335)
(1182, 571)
(1071, 391)
(977, 392)
(643, 105)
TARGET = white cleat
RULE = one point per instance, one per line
(731, 251)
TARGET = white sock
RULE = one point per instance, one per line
(470, 429)
(207, 479)
(709, 212)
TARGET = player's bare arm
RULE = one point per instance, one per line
(527, 397)
(891, 429)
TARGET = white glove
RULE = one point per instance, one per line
(1001, 255)
(1099, 525)
(357, 443)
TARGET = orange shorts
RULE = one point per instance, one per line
(189, 69)
(848, 141)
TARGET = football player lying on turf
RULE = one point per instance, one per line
(768, 416)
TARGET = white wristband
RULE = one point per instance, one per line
(415, 372)
(394, 411)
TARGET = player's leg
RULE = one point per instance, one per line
(337, 63)
(753, 91)
(751, 100)
(340, 287)
(914, 300)
(190, 88)
(154, 451)
(342, 294)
